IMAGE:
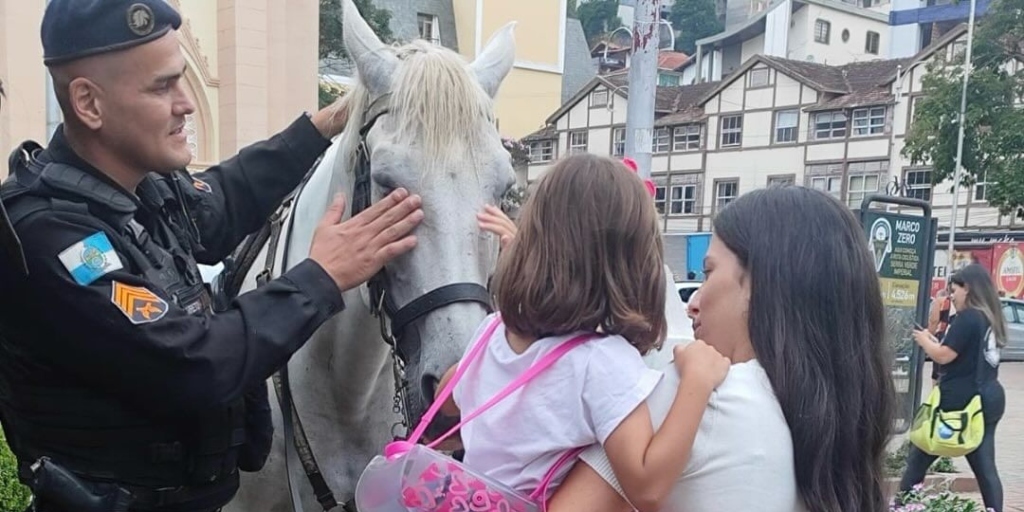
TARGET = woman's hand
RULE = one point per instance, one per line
(924, 338)
(494, 220)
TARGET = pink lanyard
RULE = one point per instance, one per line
(400, 447)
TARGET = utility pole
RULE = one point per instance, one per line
(959, 141)
(643, 77)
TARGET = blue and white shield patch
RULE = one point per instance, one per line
(91, 259)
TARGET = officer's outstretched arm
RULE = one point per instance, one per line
(118, 332)
(235, 198)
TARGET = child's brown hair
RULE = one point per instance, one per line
(588, 256)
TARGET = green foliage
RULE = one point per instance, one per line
(14, 497)
(598, 17)
(332, 42)
(993, 148)
(693, 20)
(570, 9)
(920, 500)
(896, 462)
(332, 38)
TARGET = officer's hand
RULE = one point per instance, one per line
(353, 251)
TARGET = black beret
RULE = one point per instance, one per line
(73, 29)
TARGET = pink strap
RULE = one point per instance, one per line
(541, 491)
(531, 372)
(398, 448)
(450, 386)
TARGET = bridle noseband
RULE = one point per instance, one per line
(394, 320)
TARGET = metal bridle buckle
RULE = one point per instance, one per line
(385, 325)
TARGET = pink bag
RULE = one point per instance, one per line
(412, 477)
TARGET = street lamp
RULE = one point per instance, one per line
(671, 34)
(960, 140)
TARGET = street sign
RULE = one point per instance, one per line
(903, 247)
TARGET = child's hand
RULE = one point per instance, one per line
(494, 220)
(700, 364)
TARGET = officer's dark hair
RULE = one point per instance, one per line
(820, 337)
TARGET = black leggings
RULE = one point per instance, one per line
(982, 460)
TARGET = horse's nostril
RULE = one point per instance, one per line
(429, 386)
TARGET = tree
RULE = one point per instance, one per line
(993, 148)
(693, 20)
(570, 9)
(332, 40)
(598, 17)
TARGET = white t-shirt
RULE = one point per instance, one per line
(576, 402)
(742, 458)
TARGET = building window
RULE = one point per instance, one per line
(618, 141)
(830, 125)
(668, 80)
(861, 186)
(577, 142)
(732, 131)
(871, 43)
(542, 151)
(785, 126)
(781, 181)
(845, 35)
(981, 190)
(868, 121)
(918, 184)
(864, 178)
(913, 109)
(686, 138)
(822, 31)
(684, 200)
(725, 193)
(831, 184)
(758, 77)
(659, 199)
(599, 98)
(428, 28)
(662, 142)
(957, 50)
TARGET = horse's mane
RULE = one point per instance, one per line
(435, 100)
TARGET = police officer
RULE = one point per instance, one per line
(119, 389)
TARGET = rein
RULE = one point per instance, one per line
(394, 320)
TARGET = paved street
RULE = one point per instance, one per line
(1009, 437)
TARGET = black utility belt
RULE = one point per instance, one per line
(54, 484)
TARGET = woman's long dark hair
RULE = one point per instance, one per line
(982, 295)
(818, 328)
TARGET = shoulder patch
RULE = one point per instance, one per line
(140, 305)
(202, 186)
(90, 259)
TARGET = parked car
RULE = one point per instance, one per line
(1013, 310)
(686, 289)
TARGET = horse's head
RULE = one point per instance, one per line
(421, 117)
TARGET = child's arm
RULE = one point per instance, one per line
(449, 408)
(646, 463)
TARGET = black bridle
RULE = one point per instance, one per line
(394, 320)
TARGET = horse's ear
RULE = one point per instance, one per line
(496, 59)
(375, 63)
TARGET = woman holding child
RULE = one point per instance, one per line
(790, 300)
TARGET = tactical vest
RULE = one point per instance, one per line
(92, 434)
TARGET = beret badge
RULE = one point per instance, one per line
(141, 20)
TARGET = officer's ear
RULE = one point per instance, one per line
(85, 102)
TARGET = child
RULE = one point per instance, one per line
(587, 258)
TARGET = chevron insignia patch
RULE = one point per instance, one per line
(140, 305)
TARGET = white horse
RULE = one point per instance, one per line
(435, 136)
(429, 128)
